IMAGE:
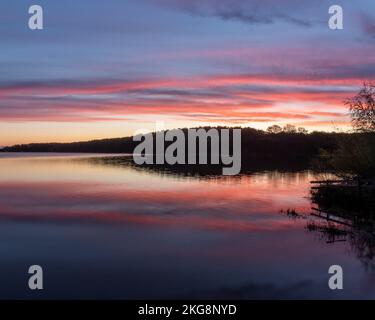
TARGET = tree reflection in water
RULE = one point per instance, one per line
(332, 220)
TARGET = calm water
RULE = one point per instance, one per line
(107, 231)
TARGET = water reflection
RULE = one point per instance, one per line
(105, 229)
(333, 219)
(30, 188)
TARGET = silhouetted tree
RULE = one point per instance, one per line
(354, 156)
(289, 128)
(362, 108)
(274, 129)
(302, 130)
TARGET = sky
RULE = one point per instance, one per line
(102, 69)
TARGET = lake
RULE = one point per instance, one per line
(101, 230)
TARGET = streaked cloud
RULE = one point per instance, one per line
(249, 12)
(251, 63)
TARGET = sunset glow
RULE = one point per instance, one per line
(187, 63)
